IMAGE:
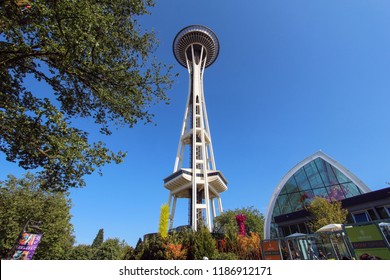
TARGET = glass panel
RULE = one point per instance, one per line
(283, 204)
(388, 210)
(291, 185)
(340, 176)
(321, 192)
(276, 209)
(295, 201)
(274, 233)
(326, 172)
(313, 175)
(372, 214)
(335, 192)
(350, 189)
(382, 212)
(307, 197)
(350, 219)
(360, 217)
(301, 180)
(310, 195)
(283, 191)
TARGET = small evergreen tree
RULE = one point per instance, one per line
(98, 239)
(203, 244)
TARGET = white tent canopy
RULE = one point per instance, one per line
(330, 228)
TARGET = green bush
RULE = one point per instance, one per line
(153, 249)
(225, 256)
(203, 244)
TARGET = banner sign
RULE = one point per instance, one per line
(26, 246)
(271, 250)
(367, 242)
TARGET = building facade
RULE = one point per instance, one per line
(316, 175)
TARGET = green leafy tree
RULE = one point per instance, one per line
(22, 200)
(95, 61)
(99, 239)
(325, 212)
(110, 249)
(81, 252)
(226, 222)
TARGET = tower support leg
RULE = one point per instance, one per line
(213, 208)
(220, 205)
(173, 209)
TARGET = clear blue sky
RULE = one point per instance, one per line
(292, 78)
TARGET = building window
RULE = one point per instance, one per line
(360, 217)
(372, 214)
(388, 210)
(383, 214)
(350, 219)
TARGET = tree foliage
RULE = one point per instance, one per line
(110, 249)
(99, 239)
(95, 61)
(325, 212)
(203, 244)
(81, 252)
(183, 245)
(226, 222)
(100, 249)
(152, 249)
(22, 200)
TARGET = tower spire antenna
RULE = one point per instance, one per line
(196, 47)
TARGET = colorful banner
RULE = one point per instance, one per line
(26, 246)
(367, 242)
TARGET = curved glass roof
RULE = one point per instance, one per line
(317, 175)
(317, 178)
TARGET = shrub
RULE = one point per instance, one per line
(203, 244)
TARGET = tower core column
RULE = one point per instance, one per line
(196, 47)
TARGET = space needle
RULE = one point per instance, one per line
(195, 176)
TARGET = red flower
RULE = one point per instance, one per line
(241, 218)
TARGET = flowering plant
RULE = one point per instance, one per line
(241, 218)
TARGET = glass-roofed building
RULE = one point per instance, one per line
(317, 175)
